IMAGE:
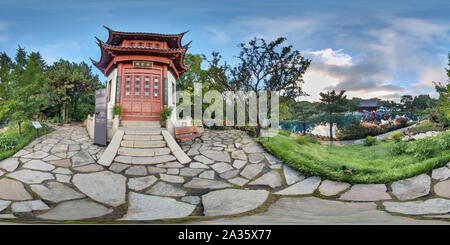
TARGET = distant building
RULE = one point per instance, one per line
(368, 105)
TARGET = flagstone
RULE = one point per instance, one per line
(76, 210)
(145, 207)
(62, 171)
(229, 174)
(221, 167)
(252, 170)
(238, 181)
(441, 173)
(28, 206)
(171, 178)
(13, 190)
(9, 164)
(21, 153)
(198, 183)
(38, 165)
(156, 170)
(203, 159)
(443, 189)
(239, 155)
(189, 172)
(430, 206)
(63, 178)
(59, 148)
(366, 193)
(271, 159)
(209, 174)
(331, 188)
(198, 165)
(164, 189)
(56, 192)
(255, 157)
(36, 155)
(304, 187)
(82, 158)
(170, 165)
(253, 148)
(4, 205)
(219, 156)
(194, 200)
(291, 175)
(31, 176)
(232, 201)
(136, 171)
(65, 163)
(140, 183)
(105, 187)
(412, 188)
(50, 158)
(272, 179)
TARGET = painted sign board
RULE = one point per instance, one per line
(100, 117)
(142, 64)
(36, 124)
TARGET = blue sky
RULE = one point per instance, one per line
(370, 48)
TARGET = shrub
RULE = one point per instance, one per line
(443, 140)
(425, 127)
(399, 148)
(306, 139)
(369, 141)
(7, 142)
(401, 120)
(397, 136)
(422, 148)
(117, 110)
(165, 113)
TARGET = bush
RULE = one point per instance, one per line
(401, 120)
(7, 142)
(399, 148)
(165, 113)
(425, 127)
(306, 139)
(443, 140)
(397, 136)
(422, 148)
(117, 110)
(369, 141)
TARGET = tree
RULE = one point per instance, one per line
(444, 97)
(331, 103)
(27, 89)
(68, 80)
(262, 67)
(407, 103)
(6, 69)
(304, 110)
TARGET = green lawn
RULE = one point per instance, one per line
(370, 164)
(28, 134)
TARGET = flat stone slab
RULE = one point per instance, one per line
(82, 158)
(441, 174)
(31, 176)
(209, 174)
(118, 167)
(64, 163)
(253, 148)
(229, 174)
(219, 156)
(145, 207)
(412, 188)
(252, 170)
(90, 168)
(28, 206)
(9, 164)
(316, 211)
(331, 188)
(232, 201)
(221, 167)
(430, 206)
(56, 192)
(366, 193)
(136, 171)
(304, 187)
(203, 159)
(140, 183)
(105, 187)
(4, 205)
(291, 175)
(156, 170)
(238, 164)
(62, 171)
(38, 165)
(63, 178)
(238, 181)
(272, 179)
(443, 189)
(198, 183)
(13, 190)
(76, 210)
(272, 159)
(36, 155)
(198, 165)
(239, 155)
(190, 172)
(255, 157)
(194, 200)
(171, 178)
(164, 189)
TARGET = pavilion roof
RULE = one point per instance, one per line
(116, 37)
(368, 103)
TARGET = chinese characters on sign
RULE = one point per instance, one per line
(142, 64)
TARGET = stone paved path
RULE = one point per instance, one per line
(57, 177)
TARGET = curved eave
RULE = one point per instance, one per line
(115, 37)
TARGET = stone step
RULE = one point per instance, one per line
(143, 144)
(142, 137)
(142, 131)
(145, 160)
(140, 124)
(143, 152)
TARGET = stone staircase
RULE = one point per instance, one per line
(142, 143)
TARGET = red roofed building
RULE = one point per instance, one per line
(141, 71)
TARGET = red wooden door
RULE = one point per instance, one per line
(141, 96)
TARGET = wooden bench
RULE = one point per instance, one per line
(187, 133)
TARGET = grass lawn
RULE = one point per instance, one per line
(370, 164)
(28, 134)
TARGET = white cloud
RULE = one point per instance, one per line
(217, 35)
(332, 57)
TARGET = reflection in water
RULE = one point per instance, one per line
(320, 129)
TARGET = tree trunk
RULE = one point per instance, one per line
(331, 127)
(19, 127)
(63, 111)
(304, 127)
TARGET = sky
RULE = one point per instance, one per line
(381, 49)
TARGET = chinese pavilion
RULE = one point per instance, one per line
(368, 105)
(141, 71)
